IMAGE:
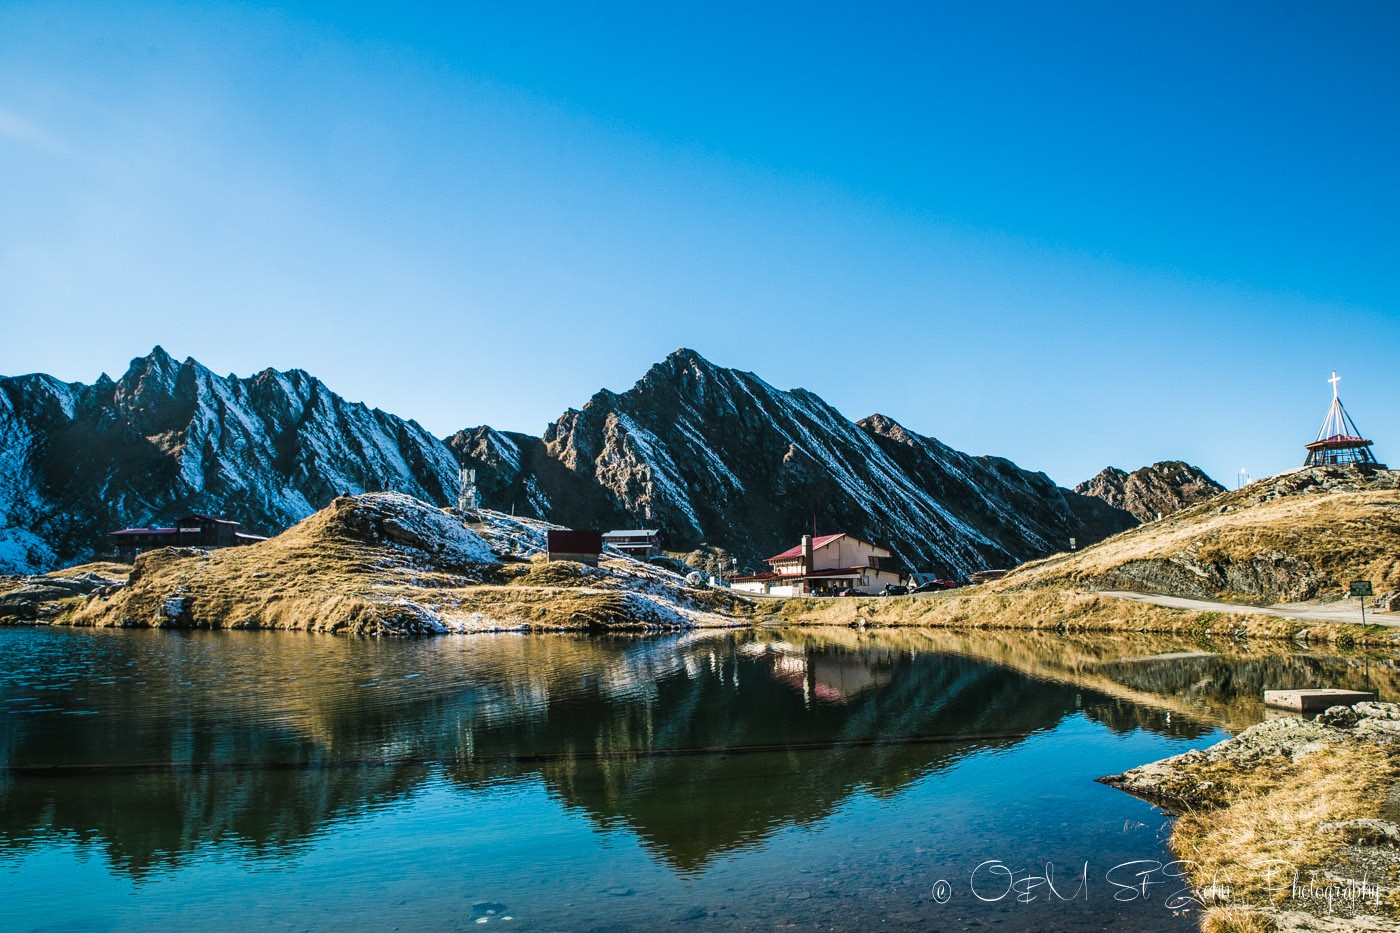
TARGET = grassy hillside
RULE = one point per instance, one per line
(1298, 536)
(384, 563)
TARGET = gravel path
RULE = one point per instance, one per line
(1326, 612)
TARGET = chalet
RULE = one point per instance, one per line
(825, 565)
(581, 546)
(644, 543)
(201, 531)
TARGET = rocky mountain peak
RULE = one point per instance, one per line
(717, 456)
(171, 438)
(685, 360)
(885, 426)
(1152, 491)
(683, 376)
(156, 369)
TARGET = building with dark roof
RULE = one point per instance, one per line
(644, 543)
(201, 531)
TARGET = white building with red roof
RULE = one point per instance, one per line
(825, 565)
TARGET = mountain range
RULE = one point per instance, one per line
(713, 457)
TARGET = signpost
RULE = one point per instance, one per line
(1361, 589)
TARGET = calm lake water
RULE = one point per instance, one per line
(808, 779)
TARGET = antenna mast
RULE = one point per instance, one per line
(466, 492)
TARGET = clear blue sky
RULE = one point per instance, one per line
(1071, 234)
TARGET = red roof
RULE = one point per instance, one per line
(799, 577)
(1339, 440)
(823, 541)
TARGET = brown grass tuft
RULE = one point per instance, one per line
(1237, 920)
(559, 573)
(1268, 815)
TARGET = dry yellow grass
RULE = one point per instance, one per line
(103, 568)
(341, 570)
(1262, 830)
(1254, 837)
(1270, 813)
(1237, 920)
(1050, 607)
(316, 575)
(1349, 530)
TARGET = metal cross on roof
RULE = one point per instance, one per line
(1338, 441)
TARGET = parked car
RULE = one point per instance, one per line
(850, 591)
(894, 589)
(934, 586)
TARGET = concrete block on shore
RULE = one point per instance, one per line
(1314, 701)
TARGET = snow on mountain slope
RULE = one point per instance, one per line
(712, 456)
(169, 438)
(717, 456)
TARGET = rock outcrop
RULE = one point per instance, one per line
(40, 599)
(376, 564)
(1290, 825)
(1152, 492)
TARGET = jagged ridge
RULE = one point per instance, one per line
(1154, 491)
(718, 456)
(170, 437)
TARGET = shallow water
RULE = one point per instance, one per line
(817, 779)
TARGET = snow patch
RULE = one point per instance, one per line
(415, 524)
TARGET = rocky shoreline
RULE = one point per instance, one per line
(1290, 825)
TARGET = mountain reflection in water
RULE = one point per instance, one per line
(150, 745)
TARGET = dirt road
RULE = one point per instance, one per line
(1307, 612)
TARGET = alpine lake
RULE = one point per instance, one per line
(765, 779)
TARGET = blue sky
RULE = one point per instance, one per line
(1071, 234)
